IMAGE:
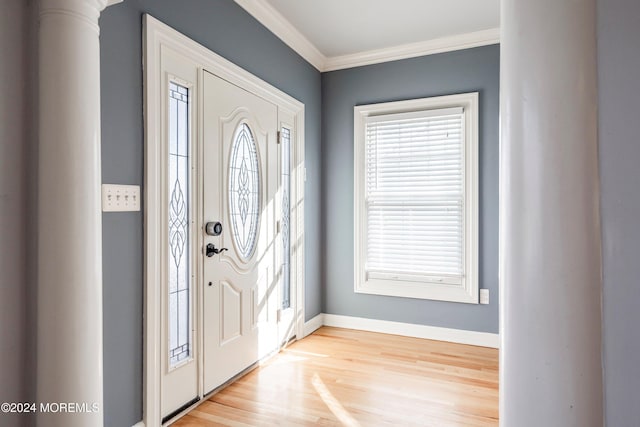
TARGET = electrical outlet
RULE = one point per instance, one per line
(120, 198)
(484, 296)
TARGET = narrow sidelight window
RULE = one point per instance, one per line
(179, 320)
(286, 204)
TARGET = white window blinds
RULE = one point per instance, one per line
(415, 195)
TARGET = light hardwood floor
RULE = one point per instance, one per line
(343, 377)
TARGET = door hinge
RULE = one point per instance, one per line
(278, 137)
(277, 226)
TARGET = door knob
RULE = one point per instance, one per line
(211, 250)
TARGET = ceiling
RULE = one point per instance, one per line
(333, 34)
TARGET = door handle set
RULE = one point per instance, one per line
(211, 250)
(213, 228)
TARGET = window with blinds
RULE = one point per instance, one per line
(415, 185)
(415, 195)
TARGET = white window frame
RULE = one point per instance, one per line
(467, 291)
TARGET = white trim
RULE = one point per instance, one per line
(482, 339)
(139, 424)
(268, 16)
(111, 3)
(313, 324)
(159, 40)
(468, 290)
(459, 336)
(152, 221)
(275, 22)
(412, 50)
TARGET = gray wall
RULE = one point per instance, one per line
(13, 185)
(619, 140)
(443, 74)
(228, 30)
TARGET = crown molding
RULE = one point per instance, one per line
(268, 16)
(412, 50)
(273, 20)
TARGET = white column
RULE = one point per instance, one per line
(551, 373)
(69, 212)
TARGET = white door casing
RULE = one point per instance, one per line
(240, 186)
(171, 56)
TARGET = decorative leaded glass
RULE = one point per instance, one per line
(244, 191)
(179, 253)
(286, 194)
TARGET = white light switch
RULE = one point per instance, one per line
(484, 296)
(120, 198)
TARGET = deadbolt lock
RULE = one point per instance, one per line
(213, 228)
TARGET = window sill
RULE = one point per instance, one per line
(430, 291)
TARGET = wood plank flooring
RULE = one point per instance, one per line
(352, 378)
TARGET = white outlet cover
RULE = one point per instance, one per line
(484, 296)
(120, 198)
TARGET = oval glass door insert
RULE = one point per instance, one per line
(244, 191)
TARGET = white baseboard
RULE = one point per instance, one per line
(482, 339)
(313, 324)
(139, 424)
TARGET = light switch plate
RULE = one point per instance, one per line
(484, 296)
(120, 198)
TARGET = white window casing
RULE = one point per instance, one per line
(416, 198)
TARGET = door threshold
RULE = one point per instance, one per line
(232, 380)
(183, 410)
(242, 373)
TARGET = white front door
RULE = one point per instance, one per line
(240, 170)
